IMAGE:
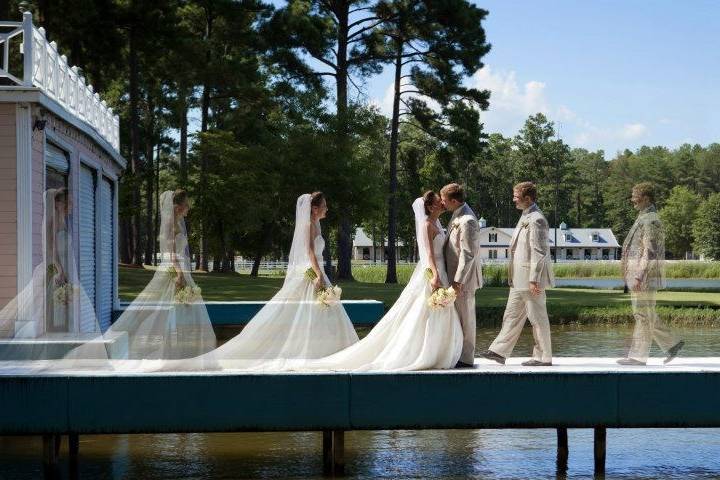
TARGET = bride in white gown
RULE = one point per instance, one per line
(168, 319)
(293, 325)
(411, 335)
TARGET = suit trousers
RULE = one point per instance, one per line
(465, 306)
(648, 326)
(522, 305)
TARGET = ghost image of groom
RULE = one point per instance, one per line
(462, 261)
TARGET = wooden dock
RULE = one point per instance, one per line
(574, 393)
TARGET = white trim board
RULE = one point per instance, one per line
(35, 95)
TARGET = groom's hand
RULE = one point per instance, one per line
(535, 288)
(458, 288)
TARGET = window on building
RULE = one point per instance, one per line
(492, 254)
(57, 209)
(493, 237)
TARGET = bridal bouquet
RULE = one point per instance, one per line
(187, 294)
(328, 296)
(441, 298)
(310, 274)
(63, 293)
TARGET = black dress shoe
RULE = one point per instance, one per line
(672, 353)
(536, 363)
(629, 361)
(490, 355)
(463, 365)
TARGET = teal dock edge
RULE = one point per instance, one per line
(361, 312)
(206, 402)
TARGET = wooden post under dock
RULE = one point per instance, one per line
(562, 450)
(333, 452)
(600, 437)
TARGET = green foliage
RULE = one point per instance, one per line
(706, 229)
(678, 216)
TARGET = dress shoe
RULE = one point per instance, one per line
(464, 365)
(536, 363)
(490, 355)
(672, 353)
(629, 361)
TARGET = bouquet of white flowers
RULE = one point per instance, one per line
(187, 294)
(441, 298)
(328, 296)
(63, 293)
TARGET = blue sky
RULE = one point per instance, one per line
(612, 74)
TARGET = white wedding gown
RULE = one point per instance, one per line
(156, 327)
(292, 325)
(411, 335)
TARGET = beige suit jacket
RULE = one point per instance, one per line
(462, 249)
(530, 259)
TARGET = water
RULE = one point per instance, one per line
(445, 454)
(672, 283)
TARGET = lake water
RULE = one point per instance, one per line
(672, 283)
(476, 454)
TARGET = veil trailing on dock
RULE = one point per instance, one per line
(51, 322)
(168, 320)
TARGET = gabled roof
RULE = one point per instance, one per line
(579, 237)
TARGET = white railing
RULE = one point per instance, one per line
(46, 69)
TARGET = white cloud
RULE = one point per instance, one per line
(632, 131)
(512, 101)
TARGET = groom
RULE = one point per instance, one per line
(462, 261)
(529, 274)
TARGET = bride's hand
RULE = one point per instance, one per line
(319, 283)
(435, 282)
(179, 280)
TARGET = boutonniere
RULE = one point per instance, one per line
(456, 223)
(524, 224)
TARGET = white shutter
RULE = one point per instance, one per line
(56, 158)
(106, 255)
(87, 247)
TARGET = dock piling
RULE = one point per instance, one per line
(333, 452)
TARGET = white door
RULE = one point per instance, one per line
(106, 257)
(87, 248)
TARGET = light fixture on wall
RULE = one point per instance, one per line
(39, 121)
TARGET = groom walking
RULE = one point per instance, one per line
(462, 262)
(529, 274)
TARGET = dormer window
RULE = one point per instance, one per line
(493, 237)
(568, 237)
(595, 237)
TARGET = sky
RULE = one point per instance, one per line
(611, 74)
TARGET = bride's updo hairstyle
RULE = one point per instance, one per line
(180, 196)
(428, 200)
(316, 199)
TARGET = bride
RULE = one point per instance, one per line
(411, 335)
(168, 319)
(293, 325)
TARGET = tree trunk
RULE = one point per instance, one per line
(134, 87)
(150, 183)
(183, 176)
(157, 200)
(205, 108)
(344, 234)
(391, 276)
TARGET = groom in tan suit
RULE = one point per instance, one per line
(462, 259)
(529, 274)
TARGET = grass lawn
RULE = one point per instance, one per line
(233, 286)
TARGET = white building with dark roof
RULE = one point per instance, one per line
(572, 243)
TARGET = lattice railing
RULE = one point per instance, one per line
(43, 67)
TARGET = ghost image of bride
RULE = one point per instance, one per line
(168, 319)
(422, 330)
(296, 323)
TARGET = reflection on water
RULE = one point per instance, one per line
(477, 454)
